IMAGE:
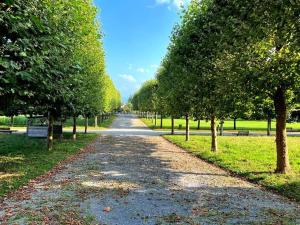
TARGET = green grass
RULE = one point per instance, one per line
(23, 158)
(250, 157)
(21, 121)
(228, 124)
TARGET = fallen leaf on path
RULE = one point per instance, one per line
(107, 209)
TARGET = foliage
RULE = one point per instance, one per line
(52, 59)
(233, 59)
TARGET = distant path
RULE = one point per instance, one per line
(133, 177)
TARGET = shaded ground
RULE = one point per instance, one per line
(133, 178)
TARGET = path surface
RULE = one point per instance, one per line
(134, 177)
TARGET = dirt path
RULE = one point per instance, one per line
(133, 178)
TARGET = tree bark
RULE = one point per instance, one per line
(74, 128)
(198, 127)
(187, 127)
(11, 121)
(234, 123)
(172, 124)
(221, 127)
(86, 125)
(161, 121)
(269, 125)
(283, 165)
(214, 146)
(61, 135)
(96, 121)
(50, 132)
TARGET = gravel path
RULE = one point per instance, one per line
(133, 178)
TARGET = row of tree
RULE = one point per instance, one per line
(52, 61)
(228, 58)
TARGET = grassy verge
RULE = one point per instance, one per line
(23, 158)
(228, 124)
(251, 157)
(80, 127)
(21, 121)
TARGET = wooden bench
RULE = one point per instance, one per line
(7, 130)
(243, 133)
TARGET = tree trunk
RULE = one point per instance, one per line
(155, 119)
(283, 165)
(50, 132)
(234, 123)
(11, 121)
(187, 127)
(213, 128)
(269, 125)
(221, 127)
(86, 125)
(198, 127)
(96, 121)
(74, 128)
(161, 121)
(172, 124)
(61, 135)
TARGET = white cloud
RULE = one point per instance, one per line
(130, 66)
(128, 78)
(177, 3)
(141, 70)
(154, 66)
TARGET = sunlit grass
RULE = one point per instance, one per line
(23, 158)
(20, 123)
(228, 124)
(251, 157)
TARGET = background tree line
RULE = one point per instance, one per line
(228, 59)
(52, 61)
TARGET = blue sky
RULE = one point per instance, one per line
(136, 38)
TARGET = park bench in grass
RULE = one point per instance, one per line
(243, 133)
(6, 130)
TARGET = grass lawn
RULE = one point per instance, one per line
(20, 123)
(228, 124)
(80, 126)
(23, 158)
(250, 157)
